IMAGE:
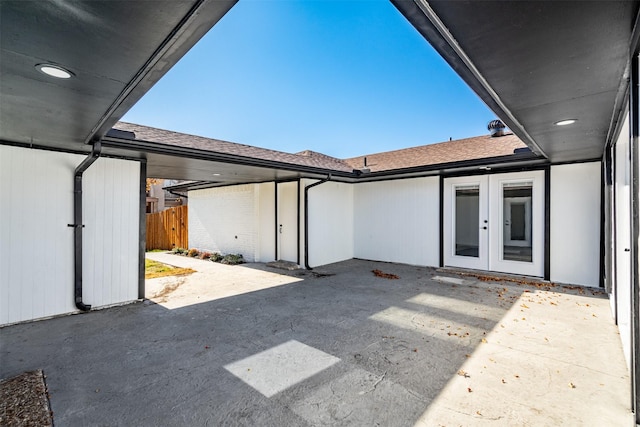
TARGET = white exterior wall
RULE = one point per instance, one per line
(36, 245)
(330, 222)
(623, 288)
(266, 219)
(224, 220)
(398, 221)
(575, 223)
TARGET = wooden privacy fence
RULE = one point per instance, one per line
(168, 229)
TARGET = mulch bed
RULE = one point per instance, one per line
(24, 401)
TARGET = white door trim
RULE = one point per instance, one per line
(497, 261)
(480, 262)
(491, 215)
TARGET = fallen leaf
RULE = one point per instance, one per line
(469, 389)
(462, 373)
(384, 275)
(484, 340)
(572, 385)
(503, 381)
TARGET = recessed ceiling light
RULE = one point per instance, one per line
(565, 122)
(54, 71)
(215, 174)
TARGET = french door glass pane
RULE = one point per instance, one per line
(517, 230)
(467, 220)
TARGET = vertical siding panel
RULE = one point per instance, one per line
(36, 204)
(112, 195)
(101, 229)
(19, 244)
(330, 223)
(37, 210)
(35, 196)
(6, 219)
(124, 255)
(129, 221)
(89, 211)
(59, 172)
(575, 224)
(398, 221)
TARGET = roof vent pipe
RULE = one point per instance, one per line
(496, 127)
(77, 223)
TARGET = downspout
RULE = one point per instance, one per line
(77, 223)
(306, 219)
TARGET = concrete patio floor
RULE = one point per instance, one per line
(250, 345)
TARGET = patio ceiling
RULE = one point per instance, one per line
(116, 51)
(532, 62)
(537, 62)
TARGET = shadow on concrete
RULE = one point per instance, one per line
(346, 348)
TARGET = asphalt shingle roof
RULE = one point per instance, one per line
(161, 136)
(479, 147)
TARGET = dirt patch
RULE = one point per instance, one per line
(24, 401)
(167, 289)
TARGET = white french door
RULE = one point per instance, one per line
(495, 222)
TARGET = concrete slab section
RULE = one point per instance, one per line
(411, 351)
(278, 368)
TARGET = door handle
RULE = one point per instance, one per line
(280, 228)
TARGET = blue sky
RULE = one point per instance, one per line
(344, 78)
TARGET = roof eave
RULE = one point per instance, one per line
(188, 152)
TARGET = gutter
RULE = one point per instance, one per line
(214, 156)
(77, 223)
(306, 219)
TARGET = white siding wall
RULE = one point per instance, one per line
(330, 222)
(622, 288)
(36, 245)
(575, 223)
(111, 205)
(398, 221)
(224, 220)
(266, 222)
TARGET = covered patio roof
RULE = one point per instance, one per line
(533, 63)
